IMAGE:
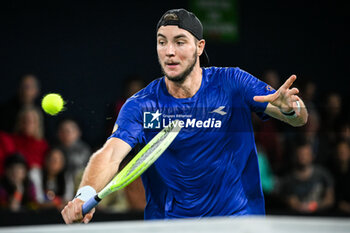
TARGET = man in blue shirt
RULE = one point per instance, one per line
(211, 168)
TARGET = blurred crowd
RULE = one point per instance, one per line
(306, 170)
(303, 170)
(37, 173)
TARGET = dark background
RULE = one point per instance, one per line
(84, 49)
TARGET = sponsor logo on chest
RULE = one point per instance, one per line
(157, 120)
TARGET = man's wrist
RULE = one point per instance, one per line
(85, 193)
(292, 113)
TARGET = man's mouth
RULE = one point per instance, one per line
(171, 64)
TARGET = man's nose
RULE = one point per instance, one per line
(170, 50)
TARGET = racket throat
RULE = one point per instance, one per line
(97, 199)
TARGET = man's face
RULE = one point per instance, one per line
(29, 123)
(28, 90)
(177, 52)
(68, 133)
(304, 155)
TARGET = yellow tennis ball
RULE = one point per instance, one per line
(52, 103)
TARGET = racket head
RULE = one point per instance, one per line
(144, 159)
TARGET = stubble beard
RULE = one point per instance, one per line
(183, 76)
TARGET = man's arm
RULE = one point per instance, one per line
(284, 102)
(104, 164)
(102, 167)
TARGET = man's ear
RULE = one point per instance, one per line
(200, 47)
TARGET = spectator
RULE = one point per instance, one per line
(29, 141)
(310, 132)
(308, 188)
(321, 147)
(16, 190)
(131, 85)
(28, 92)
(270, 183)
(272, 78)
(7, 147)
(331, 115)
(76, 151)
(308, 91)
(132, 197)
(268, 134)
(28, 137)
(341, 172)
(271, 141)
(343, 131)
(57, 187)
(268, 180)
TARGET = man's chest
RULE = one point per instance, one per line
(211, 110)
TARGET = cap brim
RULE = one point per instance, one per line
(204, 59)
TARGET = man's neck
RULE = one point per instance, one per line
(189, 87)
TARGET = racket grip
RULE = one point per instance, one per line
(90, 204)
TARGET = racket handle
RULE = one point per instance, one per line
(90, 204)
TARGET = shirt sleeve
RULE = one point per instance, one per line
(129, 126)
(250, 86)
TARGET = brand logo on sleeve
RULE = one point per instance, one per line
(115, 127)
(269, 88)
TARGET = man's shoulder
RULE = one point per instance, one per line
(226, 77)
(221, 73)
(220, 70)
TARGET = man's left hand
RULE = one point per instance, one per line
(284, 97)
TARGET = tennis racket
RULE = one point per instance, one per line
(145, 158)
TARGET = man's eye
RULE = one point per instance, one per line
(180, 43)
(161, 42)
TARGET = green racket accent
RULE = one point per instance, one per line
(145, 158)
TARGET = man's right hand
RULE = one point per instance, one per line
(72, 212)
(102, 166)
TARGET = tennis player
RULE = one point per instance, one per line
(211, 168)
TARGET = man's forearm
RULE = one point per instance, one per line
(301, 115)
(100, 170)
(104, 164)
(299, 120)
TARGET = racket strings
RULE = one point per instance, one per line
(141, 162)
(146, 154)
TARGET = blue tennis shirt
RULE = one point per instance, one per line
(211, 168)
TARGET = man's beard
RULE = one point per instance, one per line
(183, 76)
